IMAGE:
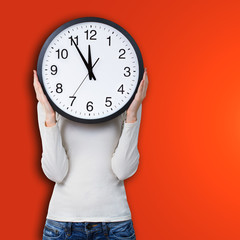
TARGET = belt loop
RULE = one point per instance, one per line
(105, 229)
(69, 229)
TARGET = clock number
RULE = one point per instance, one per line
(127, 71)
(59, 88)
(74, 41)
(62, 54)
(109, 38)
(121, 89)
(73, 99)
(54, 69)
(89, 106)
(93, 32)
(121, 55)
(108, 101)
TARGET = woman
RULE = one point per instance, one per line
(89, 163)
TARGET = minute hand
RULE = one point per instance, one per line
(89, 68)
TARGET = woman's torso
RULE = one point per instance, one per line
(90, 191)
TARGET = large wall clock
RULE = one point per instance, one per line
(90, 69)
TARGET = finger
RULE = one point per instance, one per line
(146, 80)
(37, 87)
(140, 88)
(145, 73)
(39, 92)
(37, 84)
(138, 95)
(144, 84)
(35, 77)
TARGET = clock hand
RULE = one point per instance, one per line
(80, 85)
(84, 78)
(85, 62)
(95, 62)
(91, 75)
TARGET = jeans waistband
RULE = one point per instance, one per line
(78, 226)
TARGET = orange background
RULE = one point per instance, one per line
(188, 182)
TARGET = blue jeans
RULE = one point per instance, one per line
(56, 230)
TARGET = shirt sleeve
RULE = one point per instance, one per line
(54, 159)
(125, 159)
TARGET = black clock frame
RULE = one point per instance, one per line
(81, 20)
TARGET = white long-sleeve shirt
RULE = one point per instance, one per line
(89, 163)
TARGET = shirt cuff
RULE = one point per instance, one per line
(51, 126)
(130, 125)
(49, 130)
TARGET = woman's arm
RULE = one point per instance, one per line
(50, 114)
(125, 159)
(54, 159)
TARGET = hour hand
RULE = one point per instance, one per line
(91, 75)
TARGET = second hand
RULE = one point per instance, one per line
(84, 78)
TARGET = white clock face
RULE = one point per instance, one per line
(90, 70)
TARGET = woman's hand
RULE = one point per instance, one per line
(41, 97)
(140, 95)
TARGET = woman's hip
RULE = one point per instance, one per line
(88, 230)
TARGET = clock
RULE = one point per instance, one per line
(90, 69)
